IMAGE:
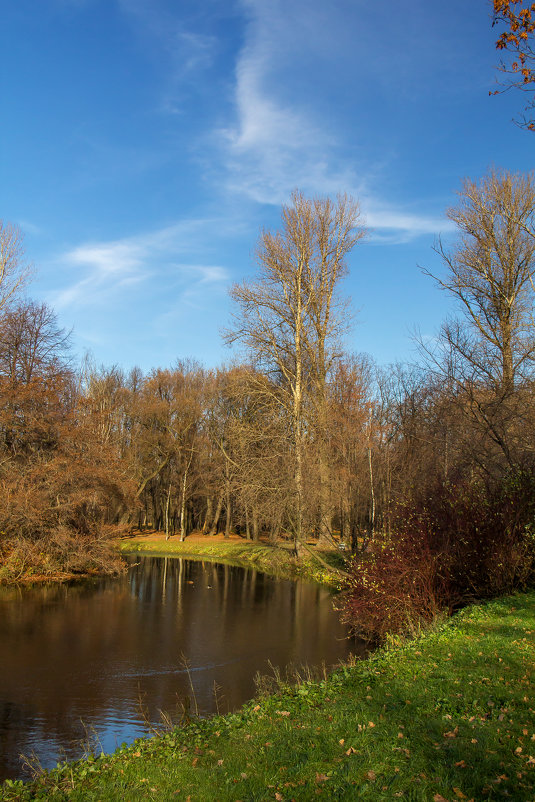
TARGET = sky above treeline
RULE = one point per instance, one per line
(145, 143)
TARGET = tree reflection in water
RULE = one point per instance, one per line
(76, 657)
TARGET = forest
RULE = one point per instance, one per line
(422, 475)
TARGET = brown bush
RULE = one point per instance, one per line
(455, 543)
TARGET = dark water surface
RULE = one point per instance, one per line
(74, 659)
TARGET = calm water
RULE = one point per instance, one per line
(76, 659)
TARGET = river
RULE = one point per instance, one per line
(97, 660)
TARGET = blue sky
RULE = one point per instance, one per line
(144, 144)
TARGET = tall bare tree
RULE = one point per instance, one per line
(289, 318)
(14, 271)
(31, 342)
(488, 354)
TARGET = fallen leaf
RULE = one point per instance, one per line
(371, 775)
(458, 793)
(342, 741)
(321, 778)
(439, 798)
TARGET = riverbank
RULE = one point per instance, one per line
(54, 561)
(276, 560)
(448, 716)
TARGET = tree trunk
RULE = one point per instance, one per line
(208, 515)
(228, 517)
(247, 527)
(167, 512)
(183, 507)
(255, 525)
(219, 505)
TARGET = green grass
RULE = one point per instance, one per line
(447, 716)
(275, 560)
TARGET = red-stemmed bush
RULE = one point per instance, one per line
(454, 543)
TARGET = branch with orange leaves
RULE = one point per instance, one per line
(517, 42)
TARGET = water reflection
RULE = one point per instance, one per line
(76, 658)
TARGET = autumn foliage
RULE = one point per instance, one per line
(57, 483)
(424, 473)
(516, 40)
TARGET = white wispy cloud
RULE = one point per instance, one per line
(273, 144)
(111, 266)
(187, 52)
(280, 141)
(396, 226)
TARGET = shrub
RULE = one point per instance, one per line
(457, 542)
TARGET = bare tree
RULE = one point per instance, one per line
(488, 354)
(289, 318)
(14, 271)
(31, 341)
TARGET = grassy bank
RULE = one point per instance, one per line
(275, 560)
(448, 716)
(35, 563)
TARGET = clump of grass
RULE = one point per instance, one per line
(449, 715)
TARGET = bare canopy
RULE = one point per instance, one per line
(290, 316)
(490, 271)
(14, 271)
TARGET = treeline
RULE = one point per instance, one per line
(425, 473)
